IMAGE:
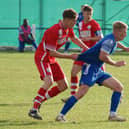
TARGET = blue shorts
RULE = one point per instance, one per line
(92, 74)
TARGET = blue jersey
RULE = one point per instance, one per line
(80, 18)
(91, 56)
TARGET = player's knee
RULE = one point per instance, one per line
(49, 83)
(81, 92)
(119, 88)
(79, 96)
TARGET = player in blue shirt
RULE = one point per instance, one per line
(80, 15)
(92, 73)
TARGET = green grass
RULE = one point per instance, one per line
(19, 82)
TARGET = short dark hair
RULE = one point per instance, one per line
(25, 19)
(87, 8)
(119, 25)
(69, 13)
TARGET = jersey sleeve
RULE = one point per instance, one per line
(96, 28)
(51, 37)
(107, 46)
(71, 33)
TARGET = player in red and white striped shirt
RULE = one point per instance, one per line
(49, 69)
(89, 32)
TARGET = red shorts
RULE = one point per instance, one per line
(79, 63)
(45, 69)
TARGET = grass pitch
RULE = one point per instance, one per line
(19, 82)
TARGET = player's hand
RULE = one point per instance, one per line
(120, 63)
(74, 56)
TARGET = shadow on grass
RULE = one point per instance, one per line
(14, 104)
(24, 104)
(52, 123)
(16, 123)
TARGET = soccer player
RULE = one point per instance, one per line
(92, 72)
(54, 37)
(89, 32)
(80, 16)
(25, 36)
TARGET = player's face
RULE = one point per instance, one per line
(71, 22)
(122, 34)
(25, 23)
(87, 15)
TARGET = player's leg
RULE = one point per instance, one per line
(46, 74)
(76, 68)
(40, 98)
(117, 88)
(34, 44)
(21, 46)
(60, 79)
(87, 80)
(72, 101)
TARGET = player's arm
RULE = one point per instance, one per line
(57, 54)
(106, 58)
(105, 51)
(78, 42)
(51, 39)
(121, 46)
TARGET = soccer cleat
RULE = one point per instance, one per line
(117, 118)
(60, 118)
(34, 114)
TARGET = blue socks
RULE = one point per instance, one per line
(72, 100)
(68, 105)
(115, 101)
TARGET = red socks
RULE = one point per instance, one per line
(53, 92)
(39, 98)
(74, 83)
(43, 95)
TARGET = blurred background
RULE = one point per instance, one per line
(45, 13)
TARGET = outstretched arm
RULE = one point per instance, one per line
(106, 58)
(78, 42)
(61, 55)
